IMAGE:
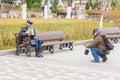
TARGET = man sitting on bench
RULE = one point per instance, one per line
(26, 31)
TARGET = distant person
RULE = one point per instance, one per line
(26, 31)
(97, 47)
(42, 10)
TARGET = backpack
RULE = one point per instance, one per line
(107, 43)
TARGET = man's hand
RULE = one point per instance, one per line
(28, 32)
(86, 45)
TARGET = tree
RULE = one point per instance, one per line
(114, 4)
(29, 3)
(103, 8)
(69, 9)
(33, 3)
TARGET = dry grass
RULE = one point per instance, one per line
(74, 28)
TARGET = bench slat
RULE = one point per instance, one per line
(54, 35)
(111, 30)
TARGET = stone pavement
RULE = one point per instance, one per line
(62, 65)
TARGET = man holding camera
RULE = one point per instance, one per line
(26, 31)
(97, 47)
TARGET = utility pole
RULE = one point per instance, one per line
(24, 9)
(69, 9)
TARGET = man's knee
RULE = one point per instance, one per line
(93, 49)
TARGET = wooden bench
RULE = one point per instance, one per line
(63, 14)
(112, 32)
(22, 44)
(50, 39)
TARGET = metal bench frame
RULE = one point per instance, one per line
(52, 38)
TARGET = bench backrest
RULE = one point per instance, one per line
(111, 30)
(49, 36)
(17, 37)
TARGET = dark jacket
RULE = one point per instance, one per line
(99, 43)
(23, 34)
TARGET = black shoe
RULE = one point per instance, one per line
(104, 60)
(38, 54)
(95, 61)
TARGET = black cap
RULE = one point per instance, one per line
(95, 30)
(30, 21)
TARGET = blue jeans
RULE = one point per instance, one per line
(96, 54)
(37, 44)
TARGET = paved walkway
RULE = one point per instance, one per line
(62, 65)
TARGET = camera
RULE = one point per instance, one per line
(86, 52)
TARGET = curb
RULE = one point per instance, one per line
(12, 51)
(6, 52)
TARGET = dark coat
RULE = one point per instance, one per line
(99, 43)
(23, 34)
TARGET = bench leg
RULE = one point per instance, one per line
(18, 50)
(51, 49)
(60, 46)
(71, 46)
(115, 40)
(27, 51)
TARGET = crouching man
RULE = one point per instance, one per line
(97, 47)
(26, 31)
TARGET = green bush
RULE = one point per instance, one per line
(56, 10)
(113, 4)
(87, 6)
(89, 11)
(33, 4)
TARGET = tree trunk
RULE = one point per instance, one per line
(69, 9)
(24, 9)
(80, 3)
(0, 4)
(45, 10)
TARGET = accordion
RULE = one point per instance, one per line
(33, 31)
